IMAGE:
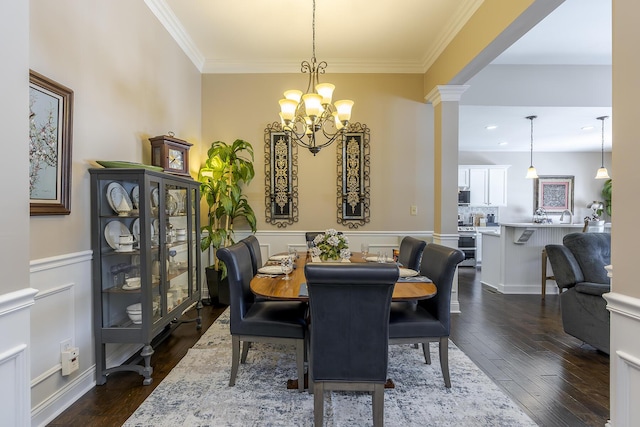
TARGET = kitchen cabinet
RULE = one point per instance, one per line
(463, 177)
(487, 185)
(145, 238)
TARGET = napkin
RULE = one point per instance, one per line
(415, 279)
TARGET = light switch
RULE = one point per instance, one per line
(414, 210)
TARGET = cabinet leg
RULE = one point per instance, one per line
(199, 318)
(146, 353)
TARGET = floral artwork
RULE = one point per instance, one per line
(331, 245)
(50, 112)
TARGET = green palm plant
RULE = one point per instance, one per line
(226, 169)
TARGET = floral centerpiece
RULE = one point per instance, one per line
(331, 246)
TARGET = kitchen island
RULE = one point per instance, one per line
(512, 259)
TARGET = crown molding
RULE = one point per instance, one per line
(170, 22)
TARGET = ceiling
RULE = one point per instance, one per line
(258, 36)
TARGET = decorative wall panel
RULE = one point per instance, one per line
(353, 176)
(281, 176)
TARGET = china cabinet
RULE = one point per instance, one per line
(146, 265)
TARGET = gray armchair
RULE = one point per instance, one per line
(578, 267)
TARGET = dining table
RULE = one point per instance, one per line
(275, 287)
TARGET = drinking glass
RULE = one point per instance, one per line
(364, 248)
(287, 267)
(382, 257)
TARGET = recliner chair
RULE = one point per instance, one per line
(578, 267)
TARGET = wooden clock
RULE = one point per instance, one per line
(171, 154)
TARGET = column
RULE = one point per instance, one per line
(445, 100)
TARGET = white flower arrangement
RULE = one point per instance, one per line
(331, 245)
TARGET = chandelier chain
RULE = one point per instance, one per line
(313, 33)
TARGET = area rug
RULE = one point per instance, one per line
(196, 391)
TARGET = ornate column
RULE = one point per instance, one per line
(445, 100)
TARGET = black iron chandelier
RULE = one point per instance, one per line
(310, 119)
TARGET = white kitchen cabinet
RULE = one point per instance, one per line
(463, 177)
(487, 185)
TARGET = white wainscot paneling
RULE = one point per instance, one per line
(624, 359)
(15, 398)
(62, 311)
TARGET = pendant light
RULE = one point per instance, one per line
(602, 172)
(531, 172)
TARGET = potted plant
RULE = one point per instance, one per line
(226, 169)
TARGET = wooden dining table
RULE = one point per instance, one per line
(277, 288)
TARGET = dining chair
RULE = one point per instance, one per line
(411, 250)
(349, 306)
(430, 319)
(259, 321)
(254, 250)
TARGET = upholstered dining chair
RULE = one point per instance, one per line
(411, 250)
(430, 319)
(259, 321)
(254, 250)
(349, 306)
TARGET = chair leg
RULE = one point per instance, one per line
(444, 360)
(318, 404)
(235, 358)
(427, 352)
(300, 362)
(378, 405)
(245, 351)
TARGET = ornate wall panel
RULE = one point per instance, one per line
(281, 176)
(353, 176)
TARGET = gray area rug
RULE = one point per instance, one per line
(196, 391)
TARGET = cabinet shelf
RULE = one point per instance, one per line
(167, 285)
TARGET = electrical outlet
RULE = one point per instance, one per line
(66, 345)
(413, 210)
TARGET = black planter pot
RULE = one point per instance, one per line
(218, 287)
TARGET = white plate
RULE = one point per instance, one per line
(135, 229)
(407, 272)
(118, 198)
(131, 288)
(172, 204)
(279, 257)
(113, 231)
(270, 269)
(155, 197)
(135, 196)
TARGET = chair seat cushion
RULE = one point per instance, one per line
(282, 319)
(407, 320)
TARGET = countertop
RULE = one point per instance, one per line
(536, 225)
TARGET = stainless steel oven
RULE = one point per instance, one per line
(467, 244)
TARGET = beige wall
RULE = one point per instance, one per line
(131, 82)
(391, 105)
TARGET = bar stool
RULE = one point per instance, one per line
(544, 273)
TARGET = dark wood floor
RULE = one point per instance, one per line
(515, 339)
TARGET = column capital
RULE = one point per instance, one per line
(445, 93)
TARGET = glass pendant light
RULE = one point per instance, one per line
(602, 172)
(531, 172)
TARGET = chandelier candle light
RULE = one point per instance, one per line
(305, 121)
(531, 172)
(602, 172)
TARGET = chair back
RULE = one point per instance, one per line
(439, 264)
(349, 307)
(411, 250)
(237, 258)
(254, 250)
(592, 251)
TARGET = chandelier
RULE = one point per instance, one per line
(310, 119)
(531, 172)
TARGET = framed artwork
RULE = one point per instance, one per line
(281, 176)
(354, 176)
(553, 193)
(50, 128)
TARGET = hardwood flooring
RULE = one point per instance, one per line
(517, 340)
